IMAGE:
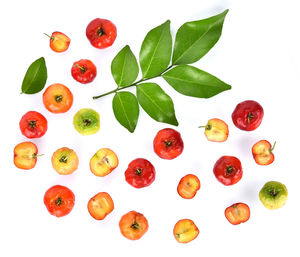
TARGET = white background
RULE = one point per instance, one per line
(258, 54)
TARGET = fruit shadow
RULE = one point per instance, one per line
(244, 144)
(249, 193)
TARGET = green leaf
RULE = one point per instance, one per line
(194, 39)
(124, 67)
(191, 81)
(156, 103)
(156, 51)
(126, 109)
(35, 77)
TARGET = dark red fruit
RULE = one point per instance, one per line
(168, 144)
(101, 33)
(248, 115)
(33, 124)
(228, 170)
(84, 71)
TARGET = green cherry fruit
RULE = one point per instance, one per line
(273, 195)
(86, 121)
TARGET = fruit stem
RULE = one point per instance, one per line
(49, 36)
(132, 85)
(272, 148)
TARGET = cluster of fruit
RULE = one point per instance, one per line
(167, 144)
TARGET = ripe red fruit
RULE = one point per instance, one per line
(84, 71)
(247, 115)
(262, 152)
(59, 42)
(140, 173)
(168, 144)
(237, 213)
(33, 124)
(101, 33)
(228, 170)
(59, 200)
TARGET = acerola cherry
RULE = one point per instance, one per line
(185, 231)
(33, 124)
(100, 205)
(101, 33)
(25, 155)
(59, 42)
(133, 225)
(168, 144)
(188, 186)
(262, 152)
(84, 71)
(247, 115)
(237, 213)
(140, 173)
(57, 98)
(59, 200)
(228, 170)
(216, 130)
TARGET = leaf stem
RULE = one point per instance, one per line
(132, 85)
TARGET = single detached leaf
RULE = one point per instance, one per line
(156, 51)
(191, 81)
(156, 103)
(124, 67)
(194, 39)
(35, 77)
(126, 109)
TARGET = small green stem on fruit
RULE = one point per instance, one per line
(135, 225)
(168, 143)
(132, 85)
(58, 98)
(87, 122)
(52, 38)
(58, 201)
(32, 123)
(100, 32)
(250, 116)
(63, 159)
(229, 169)
(82, 69)
(138, 171)
(271, 149)
(34, 156)
(273, 192)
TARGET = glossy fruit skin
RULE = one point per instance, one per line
(262, 152)
(273, 195)
(185, 231)
(237, 213)
(101, 33)
(168, 144)
(100, 205)
(84, 71)
(216, 130)
(188, 186)
(133, 225)
(59, 42)
(103, 162)
(25, 155)
(248, 115)
(86, 121)
(57, 98)
(59, 200)
(33, 125)
(228, 170)
(64, 161)
(140, 173)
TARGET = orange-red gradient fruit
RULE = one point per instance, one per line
(59, 42)
(133, 225)
(25, 155)
(185, 231)
(57, 98)
(59, 200)
(237, 213)
(188, 186)
(262, 152)
(64, 161)
(100, 205)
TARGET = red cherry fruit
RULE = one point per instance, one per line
(101, 33)
(33, 124)
(140, 173)
(228, 170)
(168, 144)
(248, 115)
(59, 42)
(84, 71)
